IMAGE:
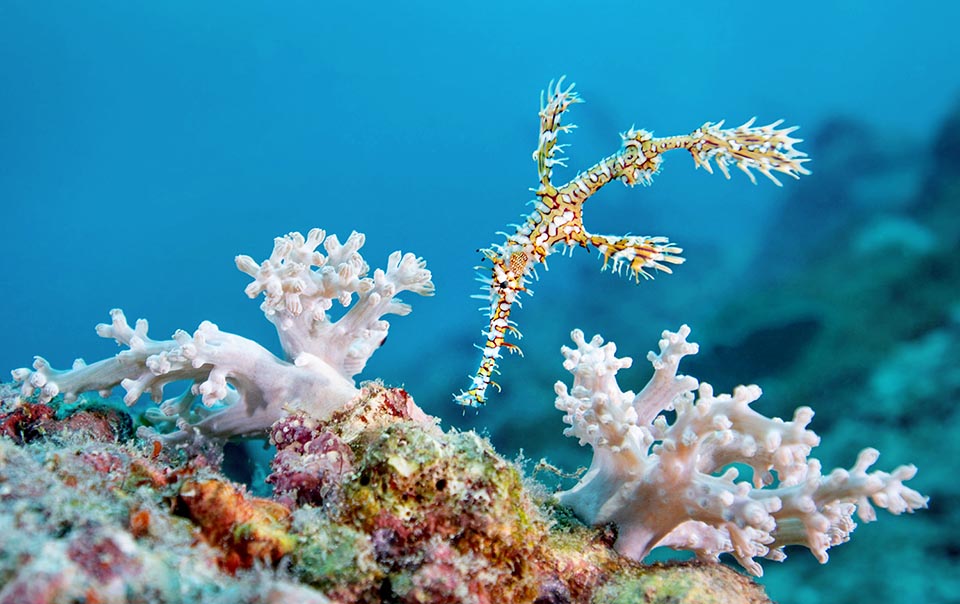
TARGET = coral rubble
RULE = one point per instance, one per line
(421, 516)
(88, 518)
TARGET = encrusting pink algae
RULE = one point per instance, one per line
(423, 515)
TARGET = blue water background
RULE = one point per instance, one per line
(144, 145)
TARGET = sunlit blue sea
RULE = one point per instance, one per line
(143, 145)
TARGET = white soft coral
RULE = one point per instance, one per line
(673, 484)
(242, 386)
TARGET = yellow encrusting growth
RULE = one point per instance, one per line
(557, 221)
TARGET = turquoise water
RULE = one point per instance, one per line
(144, 145)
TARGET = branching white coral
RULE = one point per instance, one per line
(674, 484)
(243, 388)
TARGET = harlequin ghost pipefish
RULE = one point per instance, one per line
(556, 222)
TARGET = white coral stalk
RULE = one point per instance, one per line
(299, 285)
(244, 388)
(673, 484)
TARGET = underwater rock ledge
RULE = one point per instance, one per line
(375, 504)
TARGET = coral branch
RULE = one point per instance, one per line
(556, 221)
(299, 285)
(674, 484)
(244, 388)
